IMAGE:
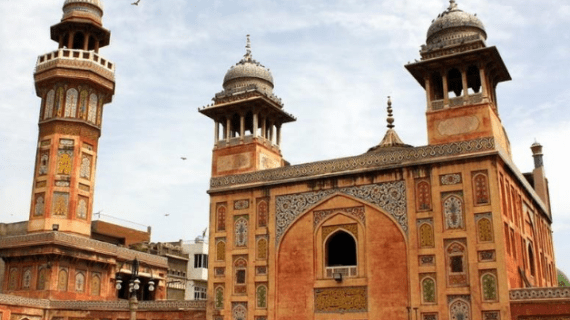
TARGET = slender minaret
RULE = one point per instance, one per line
(74, 82)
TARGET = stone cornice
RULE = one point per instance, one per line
(531, 294)
(118, 305)
(80, 243)
(356, 164)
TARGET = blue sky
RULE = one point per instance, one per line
(334, 63)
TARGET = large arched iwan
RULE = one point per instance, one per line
(384, 257)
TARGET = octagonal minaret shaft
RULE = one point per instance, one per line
(74, 82)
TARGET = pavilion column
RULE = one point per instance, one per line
(279, 134)
(70, 40)
(264, 127)
(271, 135)
(428, 93)
(96, 46)
(445, 91)
(484, 86)
(241, 127)
(60, 42)
(228, 130)
(255, 128)
(86, 42)
(464, 83)
(216, 131)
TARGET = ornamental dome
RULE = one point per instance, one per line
(454, 24)
(248, 72)
(96, 3)
(83, 10)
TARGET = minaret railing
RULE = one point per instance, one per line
(75, 54)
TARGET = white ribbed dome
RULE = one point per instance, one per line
(454, 23)
(247, 72)
(96, 3)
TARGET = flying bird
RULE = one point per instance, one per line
(136, 3)
(166, 214)
(183, 158)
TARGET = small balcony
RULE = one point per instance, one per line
(346, 271)
(76, 59)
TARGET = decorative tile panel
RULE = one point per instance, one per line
(390, 197)
(486, 256)
(64, 162)
(539, 293)
(356, 212)
(239, 310)
(219, 271)
(453, 210)
(60, 204)
(365, 161)
(450, 179)
(427, 260)
(491, 315)
(85, 168)
(261, 270)
(352, 228)
(241, 204)
(337, 300)
(39, 204)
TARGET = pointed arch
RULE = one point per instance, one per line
(48, 112)
(219, 297)
(489, 286)
(485, 229)
(459, 309)
(428, 290)
(95, 285)
(481, 188)
(71, 103)
(221, 218)
(241, 232)
(261, 296)
(92, 113)
(426, 236)
(453, 212)
(262, 210)
(220, 250)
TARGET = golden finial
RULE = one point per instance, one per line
(248, 47)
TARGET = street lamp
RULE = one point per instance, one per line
(134, 286)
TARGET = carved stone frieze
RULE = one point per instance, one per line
(357, 212)
(335, 300)
(389, 197)
(540, 293)
(365, 161)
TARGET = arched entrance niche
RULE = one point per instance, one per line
(381, 262)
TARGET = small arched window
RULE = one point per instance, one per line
(221, 218)
(485, 230)
(423, 193)
(261, 295)
(489, 286)
(262, 249)
(426, 236)
(459, 310)
(78, 40)
(474, 79)
(531, 259)
(454, 82)
(43, 279)
(48, 113)
(71, 103)
(221, 250)
(62, 280)
(219, 298)
(437, 86)
(453, 212)
(95, 285)
(428, 290)
(80, 282)
(481, 189)
(92, 113)
(241, 232)
(340, 250)
(262, 214)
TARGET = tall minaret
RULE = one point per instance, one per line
(74, 82)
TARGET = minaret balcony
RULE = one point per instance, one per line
(81, 60)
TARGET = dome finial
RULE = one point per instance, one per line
(390, 118)
(248, 48)
(452, 5)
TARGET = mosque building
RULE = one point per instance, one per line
(450, 230)
(446, 231)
